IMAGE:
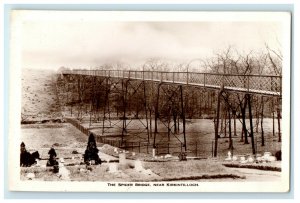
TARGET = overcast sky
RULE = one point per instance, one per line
(87, 44)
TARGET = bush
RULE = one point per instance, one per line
(278, 155)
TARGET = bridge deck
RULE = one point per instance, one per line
(269, 85)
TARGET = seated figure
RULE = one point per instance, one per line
(27, 159)
(91, 152)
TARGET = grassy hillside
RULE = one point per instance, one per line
(38, 95)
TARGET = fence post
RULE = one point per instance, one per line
(196, 149)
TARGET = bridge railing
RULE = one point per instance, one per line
(268, 84)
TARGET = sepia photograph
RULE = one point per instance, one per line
(149, 101)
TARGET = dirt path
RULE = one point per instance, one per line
(258, 175)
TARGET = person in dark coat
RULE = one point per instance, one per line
(91, 152)
(52, 160)
(27, 159)
(23, 155)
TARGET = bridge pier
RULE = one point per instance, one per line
(124, 96)
(217, 124)
(183, 117)
(251, 124)
(170, 103)
(156, 114)
(278, 119)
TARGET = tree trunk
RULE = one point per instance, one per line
(175, 123)
(169, 130)
(234, 123)
(183, 117)
(178, 124)
(229, 131)
(200, 106)
(251, 124)
(225, 124)
(273, 115)
(222, 119)
(156, 116)
(242, 134)
(211, 100)
(217, 124)
(279, 131)
(261, 122)
(124, 88)
(243, 110)
(150, 122)
(146, 111)
(257, 117)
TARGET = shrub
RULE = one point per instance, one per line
(278, 155)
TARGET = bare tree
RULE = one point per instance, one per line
(275, 60)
